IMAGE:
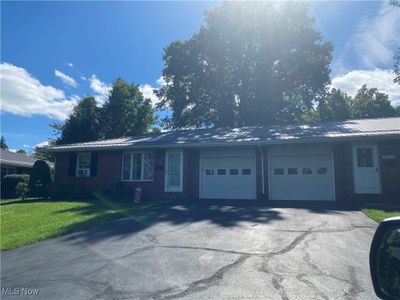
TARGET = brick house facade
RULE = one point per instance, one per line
(109, 165)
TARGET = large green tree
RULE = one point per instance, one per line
(334, 106)
(3, 143)
(369, 103)
(82, 125)
(126, 112)
(253, 63)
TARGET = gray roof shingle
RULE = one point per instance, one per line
(18, 159)
(316, 132)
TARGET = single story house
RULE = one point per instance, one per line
(16, 163)
(346, 161)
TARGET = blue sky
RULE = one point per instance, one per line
(53, 53)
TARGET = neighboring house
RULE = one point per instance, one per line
(334, 161)
(16, 163)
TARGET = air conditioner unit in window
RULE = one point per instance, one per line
(83, 172)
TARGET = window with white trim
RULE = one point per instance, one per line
(173, 172)
(138, 166)
(83, 162)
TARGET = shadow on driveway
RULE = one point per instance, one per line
(223, 213)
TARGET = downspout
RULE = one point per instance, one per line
(262, 168)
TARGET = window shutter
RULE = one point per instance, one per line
(93, 164)
(72, 164)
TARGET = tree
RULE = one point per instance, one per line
(21, 151)
(396, 70)
(126, 112)
(3, 144)
(369, 103)
(42, 154)
(397, 67)
(40, 179)
(335, 106)
(82, 125)
(253, 63)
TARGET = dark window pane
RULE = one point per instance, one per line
(209, 171)
(278, 171)
(174, 180)
(126, 167)
(234, 172)
(322, 170)
(137, 166)
(221, 172)
(246, 171)
(292, 171)
(307, 171)
(148, 166)
(364, 158)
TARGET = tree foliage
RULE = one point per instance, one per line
(42, 154)
(126, 112)
(334, 106)
(369, 103)
(253, 63)
(82, 125)
(397, 67)
(3, 144)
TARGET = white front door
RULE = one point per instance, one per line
(366, 169)
(227, 177)
(301, 177)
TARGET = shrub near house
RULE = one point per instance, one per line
(9, 184)
(40, 179)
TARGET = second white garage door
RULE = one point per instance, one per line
(301, 177)
(231, 177)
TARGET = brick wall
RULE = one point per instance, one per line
(390, 170)
(109, 169)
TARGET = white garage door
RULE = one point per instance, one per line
(301, 177)
(227, 177)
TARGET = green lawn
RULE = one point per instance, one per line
(379, 215)
(32, 220)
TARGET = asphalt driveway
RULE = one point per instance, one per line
(208, 251)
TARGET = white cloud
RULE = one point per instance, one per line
(71, 65)
(376, 39)
(148, 90)
(42, 144)
(101, 89)
(65, 78)
(161, 81)
(352, 81)
(22, 94)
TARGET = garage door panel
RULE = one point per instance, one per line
(301, 177)
(230, 177)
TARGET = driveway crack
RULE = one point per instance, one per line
(202, 284)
